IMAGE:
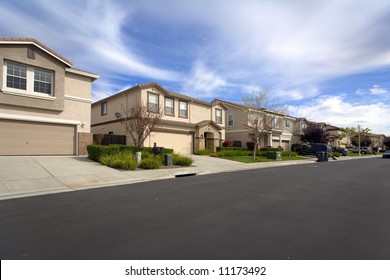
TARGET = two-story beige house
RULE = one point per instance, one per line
(187, 124)
(276, 129)
(45, 103)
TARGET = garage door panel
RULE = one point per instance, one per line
(180, 143)
(30, 138)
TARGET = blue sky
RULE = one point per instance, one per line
(328, 60)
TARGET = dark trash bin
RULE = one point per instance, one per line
(320, 156)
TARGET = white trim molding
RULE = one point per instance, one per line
(79, 99)
(38, 119)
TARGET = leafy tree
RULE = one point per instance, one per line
(365, 139)
(315, 133)
(139, 122)
(263, 114)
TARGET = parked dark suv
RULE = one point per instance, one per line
(312, 149)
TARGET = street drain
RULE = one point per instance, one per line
(185, 175)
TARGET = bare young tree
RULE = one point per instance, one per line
(140, 121)
(263, 114)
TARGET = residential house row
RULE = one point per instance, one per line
(46, 108)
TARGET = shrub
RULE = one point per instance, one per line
(229, 149)
(96, 151)
(251, 145)
(336, 154)
(271, 149)
(233, 152)
(150, 163)
(289, 154)
(120, 160)
(228, 143)
(181, 160)
(202, 152)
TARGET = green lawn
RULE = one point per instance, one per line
(350, 154)
(249, 159)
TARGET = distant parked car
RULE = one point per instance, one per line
(340, 150)
(386, 154)
(313, 149)
(363, 150)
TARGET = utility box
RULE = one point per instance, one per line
(168, 159)
(275, 155)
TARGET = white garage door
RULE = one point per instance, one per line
(30, 138)
(180, 143)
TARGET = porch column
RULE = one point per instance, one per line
(270, 139)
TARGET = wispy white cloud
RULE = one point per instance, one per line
(202, 81)
(338, 111)
(377, 90)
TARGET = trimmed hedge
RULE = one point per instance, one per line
(203, 152)
(96, 151)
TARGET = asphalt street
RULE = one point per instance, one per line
(338, 210)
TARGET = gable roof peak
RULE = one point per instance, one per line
(33, 41)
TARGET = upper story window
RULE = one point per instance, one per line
(24, 79)
(103, 108)
(153, 102)
(218, 115)
(42, 81)
(169, 106)
(230, 120)
(16, 76)
(287, 123)
(183, 109)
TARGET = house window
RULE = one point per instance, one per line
(287, 123)
(16, 76)
(183, 109)
(42, 81)
(230, 120)
(169, 107)
(103, 108)
(23, 79)
(153, 102)
(218, 115)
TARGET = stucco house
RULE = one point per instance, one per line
(277, 129)
(45, 103)
(187, 124)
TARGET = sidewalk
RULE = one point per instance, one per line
(22, 176)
